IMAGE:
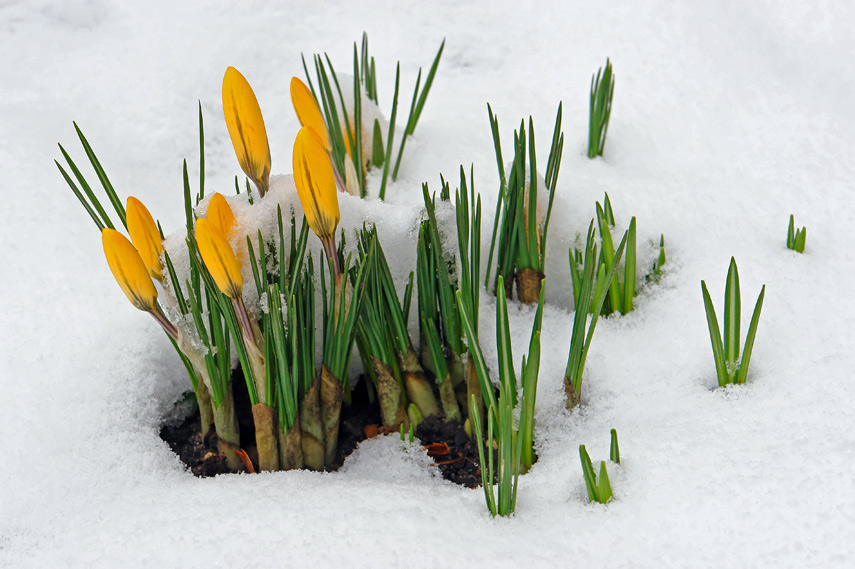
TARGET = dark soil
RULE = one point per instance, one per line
(455, 454)
(459, 462)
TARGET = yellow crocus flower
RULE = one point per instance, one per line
(219, 258)
(129, 270)
(315, 181)
(145, 236)
(246, 128)
(220, 214)
(308, 112)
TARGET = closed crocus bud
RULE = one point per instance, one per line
(220, 215)
(308, 112)
(219, 258)
(145, 236)
(315, 182)
(246, 128)
(129, 270)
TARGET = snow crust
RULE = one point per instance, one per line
(727, 118)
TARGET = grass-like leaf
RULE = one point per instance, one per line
(614, 450)
(749, 339)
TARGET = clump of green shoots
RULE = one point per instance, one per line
(389, 312)
(599, 488)
(353, 152)
(514, 444)
(443, 348)
(656, 272)
(520, 226)
(796, 237)
(590, 300)
(622, 287)
(622, 290)
(602, 90)
(729, 367)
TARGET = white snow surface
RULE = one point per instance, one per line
(727, 118)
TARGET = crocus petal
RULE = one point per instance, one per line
(315, 182)
(220, 214)
(246, 128)
(219, 258)
(308, 112)
(129, 270)
(145, 236)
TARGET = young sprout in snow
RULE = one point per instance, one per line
(599, 487)
(796, 238)
(246, 129)
(621, 292)
(600, 110)
(729, 367)
(514, 443)
(590, 300)
(521, 236)
(656, 272)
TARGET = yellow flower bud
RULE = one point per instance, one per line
(315, 180)
(308, 112)
(219, 258)
(145, 236)
(221, 215)
(246, 128)
(129, 270)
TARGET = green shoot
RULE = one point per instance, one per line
(375, 342)
(417, 387)
(730, 368)
(515, 445)
(521, 235)
(614, 450)
(602, 91)
(591, 300)
(345, 124)
(656, 272)
(796, 238)
(599, 488)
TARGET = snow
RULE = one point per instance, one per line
(727, 118)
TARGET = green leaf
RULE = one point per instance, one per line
(749, 339)
(629, 269)
(588, 473)
(791, 235)
(83, 202)
(475, 353)
(715, 337)
(801, 236)
(609, 257)
(102, 176)
(486, 466)
(604, 487)
(507, 377)
(437, 357)
(731, 321)
(614, 450)
(377, 155)
(388, 152)
(201, 156)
